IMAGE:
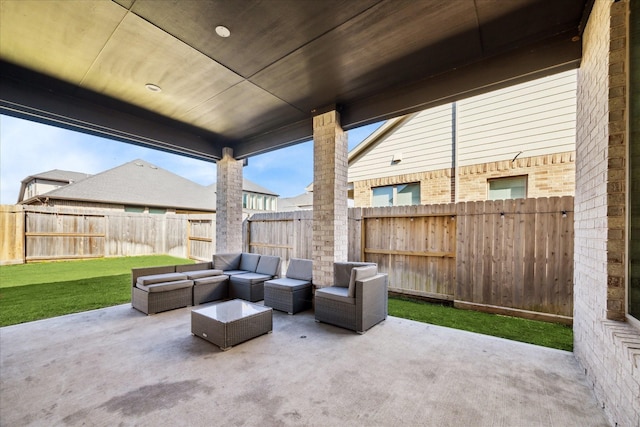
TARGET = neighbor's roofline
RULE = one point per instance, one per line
(382, 132)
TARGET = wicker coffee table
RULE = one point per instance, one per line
(231, 322)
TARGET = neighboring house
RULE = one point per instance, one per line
(138, 186)
(301, 202)
(44, 182)
(256, 198)
(515, 142)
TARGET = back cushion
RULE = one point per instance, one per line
(249, 262)
(301, 269)
(268, 265)
(226, 261)
(342, 272)
(358, 274)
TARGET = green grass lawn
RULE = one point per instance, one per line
(546, 334)
(38, 291)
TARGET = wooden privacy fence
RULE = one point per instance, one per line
(34, 233)
(509, 256)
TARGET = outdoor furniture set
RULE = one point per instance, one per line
(241, 275)
(357, 300)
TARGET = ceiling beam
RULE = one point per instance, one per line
(31, 96)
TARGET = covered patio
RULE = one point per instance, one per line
(116, 366)
(165, 75)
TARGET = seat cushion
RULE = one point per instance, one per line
(335, 293)
(199, 274)
(268, 265)
(249, 278)
(166, 286)
(358, 274)
(301, 269)
(248, 262)
(286, 283)
(226, 261)
(160, 278)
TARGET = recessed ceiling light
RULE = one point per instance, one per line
(223, 31)
(153, 88)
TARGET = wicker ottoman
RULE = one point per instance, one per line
(289, 295)
(231, 322)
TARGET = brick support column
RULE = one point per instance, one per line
(330, 228)
(229, 203)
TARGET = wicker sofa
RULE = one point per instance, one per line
(247, 273)
(357, 300)
(157, 289)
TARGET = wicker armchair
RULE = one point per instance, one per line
(291, 293)
(357, 300)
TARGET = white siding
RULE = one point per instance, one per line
(424, 142)
(536, 117)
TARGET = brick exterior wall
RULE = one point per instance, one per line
(229, 203)
(330, 228)
(549, 175)
(607, 347)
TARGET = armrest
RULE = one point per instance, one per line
(148, 271)
(371, 300)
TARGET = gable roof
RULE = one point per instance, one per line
(301, 201)
(250, 187)
(139, 183)
(58, 175)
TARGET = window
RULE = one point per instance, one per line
(396, 195)
(136, 209)
(157, 211)
(513, 187)
(633, 292)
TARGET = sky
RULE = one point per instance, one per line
(28, 148)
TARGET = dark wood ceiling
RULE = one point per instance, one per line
(85, 64)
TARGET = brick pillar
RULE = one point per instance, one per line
(229, 203)
(330, 228)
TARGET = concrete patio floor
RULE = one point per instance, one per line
(116, 366)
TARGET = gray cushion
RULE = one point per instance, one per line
(268, 265)
(199, 274)
(301, 269)
(336, 293)
(234, 272)
(248, 262)
(286, 283)
(166, 286)
(182, 268)
(342, 272)
(159, 278)
(358, 274)
(250, 278)
(226, 261)
(211, 279)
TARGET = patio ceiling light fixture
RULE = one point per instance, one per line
(153, 88)
(223, 31)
